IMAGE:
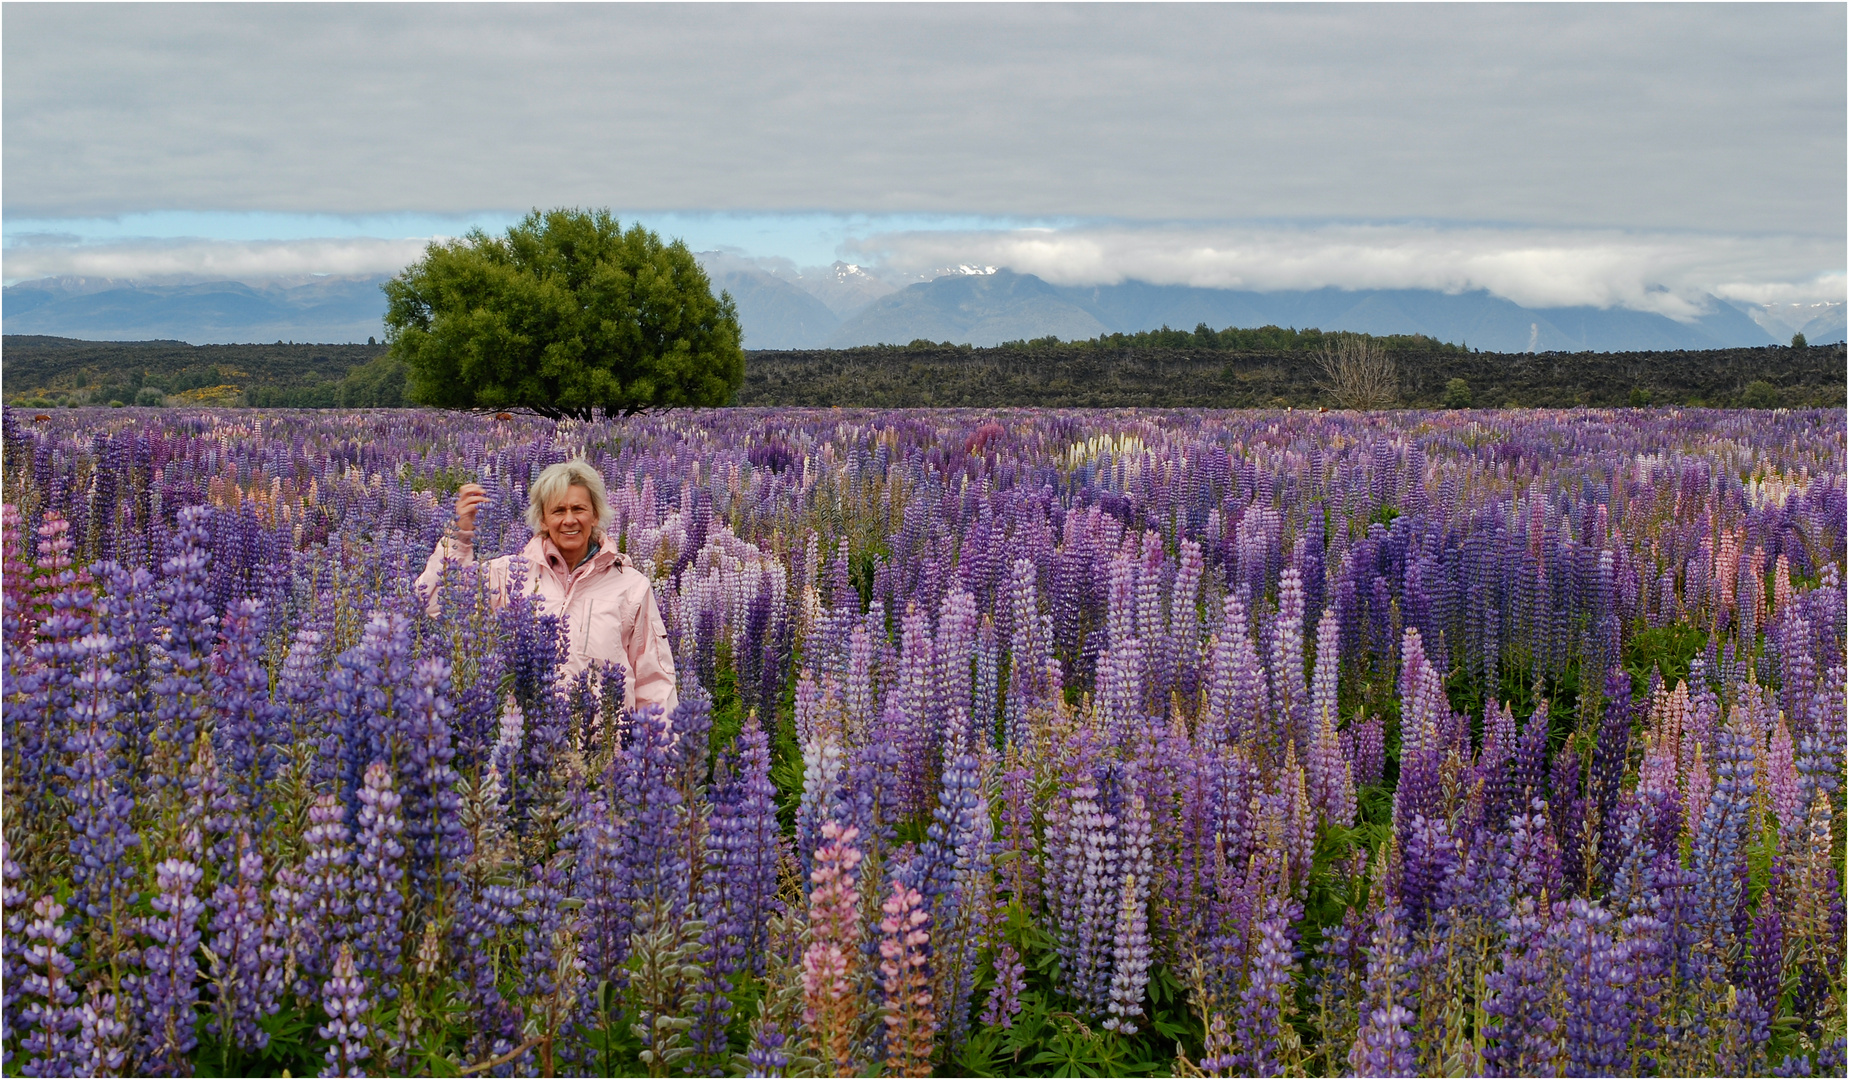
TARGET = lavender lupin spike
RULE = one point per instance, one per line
(50, 1011)
(170, 990)
(1289, 695)
(378, 880)
(245, 966)
(344, 999)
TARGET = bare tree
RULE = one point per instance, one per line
(1357, 373)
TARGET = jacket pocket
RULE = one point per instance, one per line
(602, 638)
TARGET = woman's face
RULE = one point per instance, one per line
(570, 520)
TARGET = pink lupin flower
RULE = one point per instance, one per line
(910, 1021)
(834, 941)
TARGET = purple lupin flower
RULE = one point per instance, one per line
(101, 799)
(1522, 1034)
(1290, 697)
(244, 966)
(1184, 620)
(650, 802)
(1765, 968)
(433, 829)
(821, 800)
(1718, 853)
(1598, 974)
(50, 1012)
(1260, 1018)
(360, 723)
(727, 900)
(1368, 748)
(1023, 873)
(1083, 901)
(170, 990)
(767, 1056)
(601, 882)
(102, 1037)
(1493, 763)
(953, 651)
(378, 881)
(1383, 1046)
(343, 997)
(1130, 936)
(952, 872)
(249, 727)
(326, 890)
(1237, 699)
(1122, 679)
(1531, 758)
(986, 693)
(1004, 1001)
(183, 663)
(911, 717)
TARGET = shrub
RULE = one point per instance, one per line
(1759, 394)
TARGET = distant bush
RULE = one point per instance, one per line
(1798, 342)
(148, 395)
(1759, 394)
(1457, 394)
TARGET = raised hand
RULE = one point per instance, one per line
(469, 499)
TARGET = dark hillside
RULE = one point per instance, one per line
(48, 368)
(1088, 374)
(1202, 369)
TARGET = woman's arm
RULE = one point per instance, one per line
(458, 547)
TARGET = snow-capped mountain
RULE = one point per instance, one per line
(1820, 323)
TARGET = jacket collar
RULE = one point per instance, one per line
(541, 551)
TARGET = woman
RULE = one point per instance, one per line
(608, 605)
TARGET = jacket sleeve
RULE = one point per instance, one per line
(649, 656)
(451, 551)
(448, 550)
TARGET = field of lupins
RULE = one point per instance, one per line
(1025, 743)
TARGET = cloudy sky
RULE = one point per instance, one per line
(1642, 156)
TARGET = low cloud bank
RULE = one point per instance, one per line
(207, 260)
(1671, 274)
(1666, 274)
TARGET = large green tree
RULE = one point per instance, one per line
(566, 315)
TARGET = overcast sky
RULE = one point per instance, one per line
(1595, 151)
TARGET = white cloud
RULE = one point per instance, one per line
(1669, 274)
(1673, 274)
(234, 260)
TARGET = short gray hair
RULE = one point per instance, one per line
(554, 481)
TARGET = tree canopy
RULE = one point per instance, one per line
(566, 315)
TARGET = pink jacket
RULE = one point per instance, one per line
(608, 606)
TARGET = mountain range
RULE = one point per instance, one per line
(782, 306)
(320, 309)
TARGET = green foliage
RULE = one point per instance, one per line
(1798, 342)
(1457, 394)
(1759, 394)
(1048, 1038)
(376, 384)
(566, 315)
(1665, 648)
(1640, 397)
(148, 395)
